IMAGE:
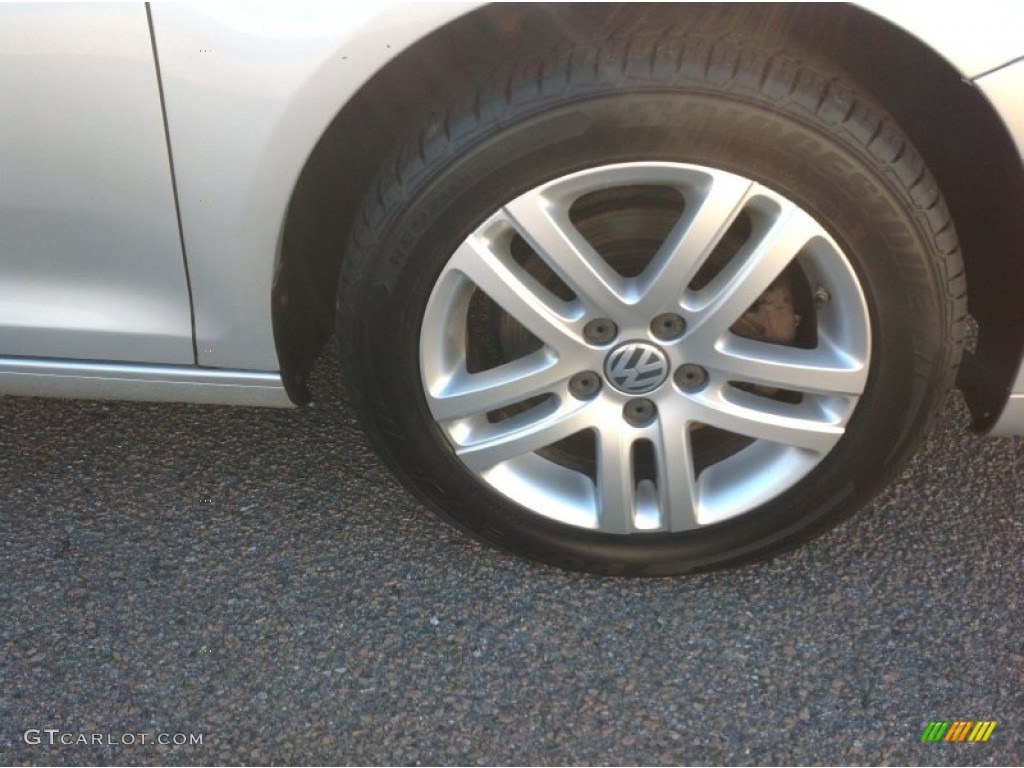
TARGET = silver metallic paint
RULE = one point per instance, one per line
(975, 37)
(243, 120)
(1011, 420)
(90, 258)
(1005, 89)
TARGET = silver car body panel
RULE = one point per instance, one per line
(249, 91)
(169, 383)
(1005, 89)
(974, 37)
(1011, 420)
(90, 255)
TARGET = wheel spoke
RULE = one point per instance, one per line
(751, 272)
(690, 243)
(546, 227)
(677, 486)
(825, 370)
(523, 434)
(800, 426)
(616, 485)
(470, 394)
(508, 286)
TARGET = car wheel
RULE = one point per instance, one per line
(652, 305)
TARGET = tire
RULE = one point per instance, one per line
(652, 305)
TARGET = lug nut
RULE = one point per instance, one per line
(690, 377)
(668, 326)
(639, 412)
(585, 385)
(600, 331)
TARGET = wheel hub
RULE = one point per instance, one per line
(636, 367)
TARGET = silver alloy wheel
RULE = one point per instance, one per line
(505, 421)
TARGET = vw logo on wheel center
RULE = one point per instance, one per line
(636, 367)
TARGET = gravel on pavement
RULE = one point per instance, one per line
(256, 578)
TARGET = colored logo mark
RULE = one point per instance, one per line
(958, 730)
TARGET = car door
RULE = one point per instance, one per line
(91, 261)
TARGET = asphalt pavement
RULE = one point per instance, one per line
(253, 583)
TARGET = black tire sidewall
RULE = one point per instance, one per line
(831, 177)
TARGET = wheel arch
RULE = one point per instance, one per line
(926, 94)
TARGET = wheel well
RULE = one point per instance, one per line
(951, 123)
